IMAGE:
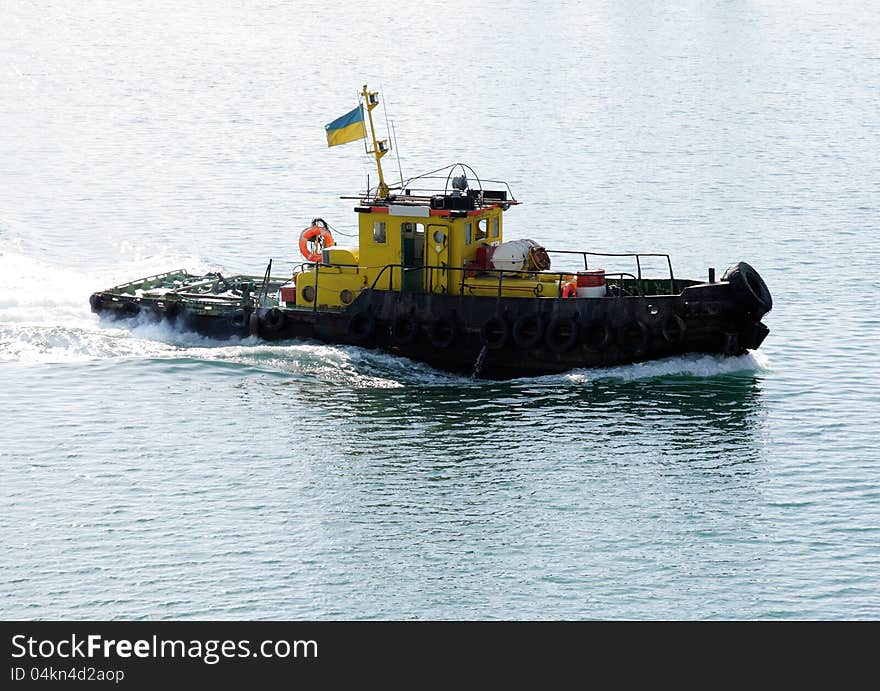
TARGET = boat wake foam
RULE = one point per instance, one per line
(45, 315)
(692, 365)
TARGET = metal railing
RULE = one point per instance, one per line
(637, 256)
(560, 277)
(149, 279)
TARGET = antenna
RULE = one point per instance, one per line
(393, 137)
(380, 147)
(397, 154)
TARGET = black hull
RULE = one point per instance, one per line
(511, 337)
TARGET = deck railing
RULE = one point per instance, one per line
(389, 271)
(637, 256)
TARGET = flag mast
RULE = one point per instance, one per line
(380, 146)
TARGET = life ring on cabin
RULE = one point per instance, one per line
(570, 289)
(314, 240)
(750, 289)
(443, 332)
(528, 331)
(494, 332)
(562, 334)
(273, 321)
(403, 329)
(674, 329)
(361, 326)
(596, 334)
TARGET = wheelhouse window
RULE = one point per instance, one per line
(482, 229)
(468, 233)
(379, 232)
(495, 227)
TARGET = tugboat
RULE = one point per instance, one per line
(434, 280)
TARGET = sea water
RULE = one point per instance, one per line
(151, 473)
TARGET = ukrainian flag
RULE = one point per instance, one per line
(346, 129)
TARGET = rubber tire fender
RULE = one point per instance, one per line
(562, 334)
(674, 329)
(595, 334)
(403, 329)
(750, 289)
(633, 337)
(172, 309)
(528, 331)
(254, 324)
(443, 332)
(495, 332)
(239, 319)
(273, 321)
(361, 327)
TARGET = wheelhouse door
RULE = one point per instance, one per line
(437, 257)
(413, 256)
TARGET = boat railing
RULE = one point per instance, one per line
(150, 279)
(637, 256)
(389, 271)
(561, 277)
(447, 180)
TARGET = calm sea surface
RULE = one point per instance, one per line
(151, 474)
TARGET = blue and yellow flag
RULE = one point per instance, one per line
(346, 129)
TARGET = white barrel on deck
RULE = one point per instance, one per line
(591, 284)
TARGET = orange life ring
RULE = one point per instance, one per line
(570, 289)
(318, 235)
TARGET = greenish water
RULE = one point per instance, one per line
(146, 473)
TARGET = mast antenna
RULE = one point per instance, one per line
(393, 139)
(380, 146)
(397, 153)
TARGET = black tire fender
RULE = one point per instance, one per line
(562, 334)
(443, 332)
(495, 332)
(239, 319)
(528, 331)
(753, 334)
(750, 290)
(171, 309)
(674, 329)
(595, 334)
(273, 321)
(634, 337)
(361, 327)
(403, 329)
(254, 324)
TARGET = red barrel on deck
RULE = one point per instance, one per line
(591, 284)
